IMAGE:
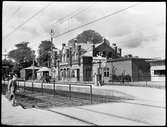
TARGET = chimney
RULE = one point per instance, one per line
(104, 40)
(113, 44)
(63, 45)
(115, 48)
(119, 51)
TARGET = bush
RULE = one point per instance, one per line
(120, 78)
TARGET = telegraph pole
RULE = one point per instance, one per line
(33, 65)
(52, 53)
(51, 33)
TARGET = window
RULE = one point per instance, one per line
(159, 72)
(73, 73)
(106, 72)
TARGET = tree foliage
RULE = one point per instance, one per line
(89, 36)
(44, 55)
(23, 55)
(7, 66)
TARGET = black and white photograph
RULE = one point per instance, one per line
(85, 63)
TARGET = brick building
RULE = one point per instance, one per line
(76, 61)
(87, 61)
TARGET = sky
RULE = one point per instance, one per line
(139, 30)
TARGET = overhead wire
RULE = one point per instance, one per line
(71, 15)
(16, 10)
(61, 19)
(84, 9)
(96, 20)
(14, 13)
(35, 14)
(76, 11)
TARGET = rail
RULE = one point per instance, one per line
(24, 84)
(143, 81)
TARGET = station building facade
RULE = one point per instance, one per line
(76, 63)
(84, 62)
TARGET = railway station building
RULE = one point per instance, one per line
(88, 62)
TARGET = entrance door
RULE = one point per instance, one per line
(87, 73)
(78, 75)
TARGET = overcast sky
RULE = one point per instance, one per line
(139, 30)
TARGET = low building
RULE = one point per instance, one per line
(157, 69)
(27, 73)
(43, 72)
(127, 69)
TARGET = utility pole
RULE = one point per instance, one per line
(33, 73)
(52, 53)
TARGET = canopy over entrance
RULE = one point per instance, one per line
(31, 68)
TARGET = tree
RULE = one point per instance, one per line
(7, 66)
(44, 56)
(89, 36)
(22, 55)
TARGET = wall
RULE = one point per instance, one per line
(157, 77)
(70, 68)
(122, 66)
(141, 70)
(119, 67)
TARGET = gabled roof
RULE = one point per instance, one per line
(88, 53)
(44, 69)
(86, 46)
(88, 49)
(104, 46)
(96, 45)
